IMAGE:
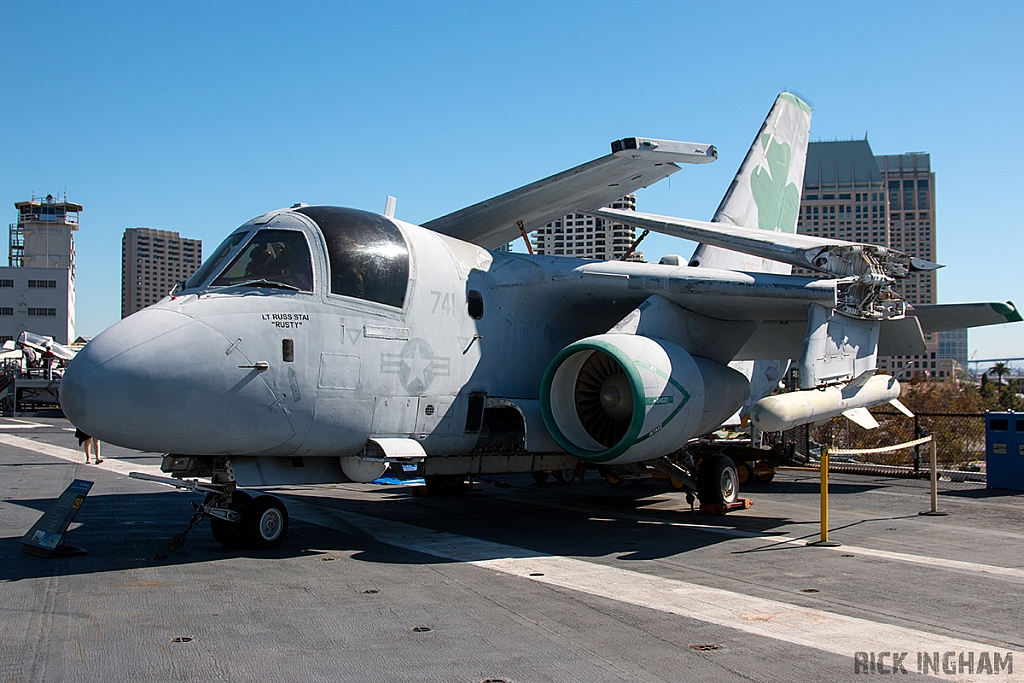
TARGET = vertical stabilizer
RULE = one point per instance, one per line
(765, 194)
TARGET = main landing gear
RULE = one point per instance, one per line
(713, 478)
(237, 520)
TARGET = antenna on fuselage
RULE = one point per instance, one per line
(389, 207)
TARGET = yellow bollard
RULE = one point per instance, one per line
(823, 542)
(935, 511)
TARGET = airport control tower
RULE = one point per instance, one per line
(37, 288)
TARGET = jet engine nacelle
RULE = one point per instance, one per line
(617, 398)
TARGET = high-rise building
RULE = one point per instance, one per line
(37, 288)
(953, 346)
(152, 262)
(889, 200)
(584, 236)
(910, 185)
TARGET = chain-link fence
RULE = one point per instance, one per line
(959, 438)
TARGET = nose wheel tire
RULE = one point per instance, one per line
(717, 481)
(231, 534)
(265, 523)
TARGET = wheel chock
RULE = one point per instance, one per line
(723, 508)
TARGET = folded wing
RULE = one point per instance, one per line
(632, 164)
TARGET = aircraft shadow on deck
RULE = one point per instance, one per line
(124, 531)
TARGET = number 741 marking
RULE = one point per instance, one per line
(444, 301)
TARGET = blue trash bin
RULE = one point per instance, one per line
(1004, 450)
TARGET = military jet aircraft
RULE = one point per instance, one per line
(319, 344)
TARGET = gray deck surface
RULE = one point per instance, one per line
(302, 612)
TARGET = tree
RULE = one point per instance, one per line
(988, 394)
(949, 410)
(1009, 396)
(1000, 368)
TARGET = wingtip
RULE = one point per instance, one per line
(1008, 311)
(921, 264)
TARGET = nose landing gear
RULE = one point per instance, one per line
(237, 519)
(262, 522)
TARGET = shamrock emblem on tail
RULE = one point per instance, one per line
(777, 202)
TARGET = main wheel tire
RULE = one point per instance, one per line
(564, 476)
(540, 477)
(446, 484)
(265, 522)
(717, 481)
(232, 534)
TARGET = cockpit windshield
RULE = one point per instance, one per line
(273, 258)
(216, 260)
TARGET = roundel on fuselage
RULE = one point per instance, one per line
(368, 256)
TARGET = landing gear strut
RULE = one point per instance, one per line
(230, 534)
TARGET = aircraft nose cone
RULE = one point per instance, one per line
(161, 381)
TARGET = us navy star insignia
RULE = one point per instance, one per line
(416, 366)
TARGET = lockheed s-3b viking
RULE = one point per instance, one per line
(319, 344)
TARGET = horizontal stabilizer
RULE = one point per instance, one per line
(941, 317)
(633, 163)
(861, 417)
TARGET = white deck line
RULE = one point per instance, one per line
(819, 629)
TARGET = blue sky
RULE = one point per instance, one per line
(195, 117)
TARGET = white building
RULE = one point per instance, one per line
(37, 288)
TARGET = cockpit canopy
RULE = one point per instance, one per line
(367, 256)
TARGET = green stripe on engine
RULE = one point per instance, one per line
(636, 384)
(653, 401)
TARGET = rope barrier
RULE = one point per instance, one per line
(885, 449)
(823, 539)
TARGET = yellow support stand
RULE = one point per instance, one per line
(823, 542)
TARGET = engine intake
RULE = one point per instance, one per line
(625, 398)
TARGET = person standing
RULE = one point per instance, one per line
(89, 444)
(48, 359)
